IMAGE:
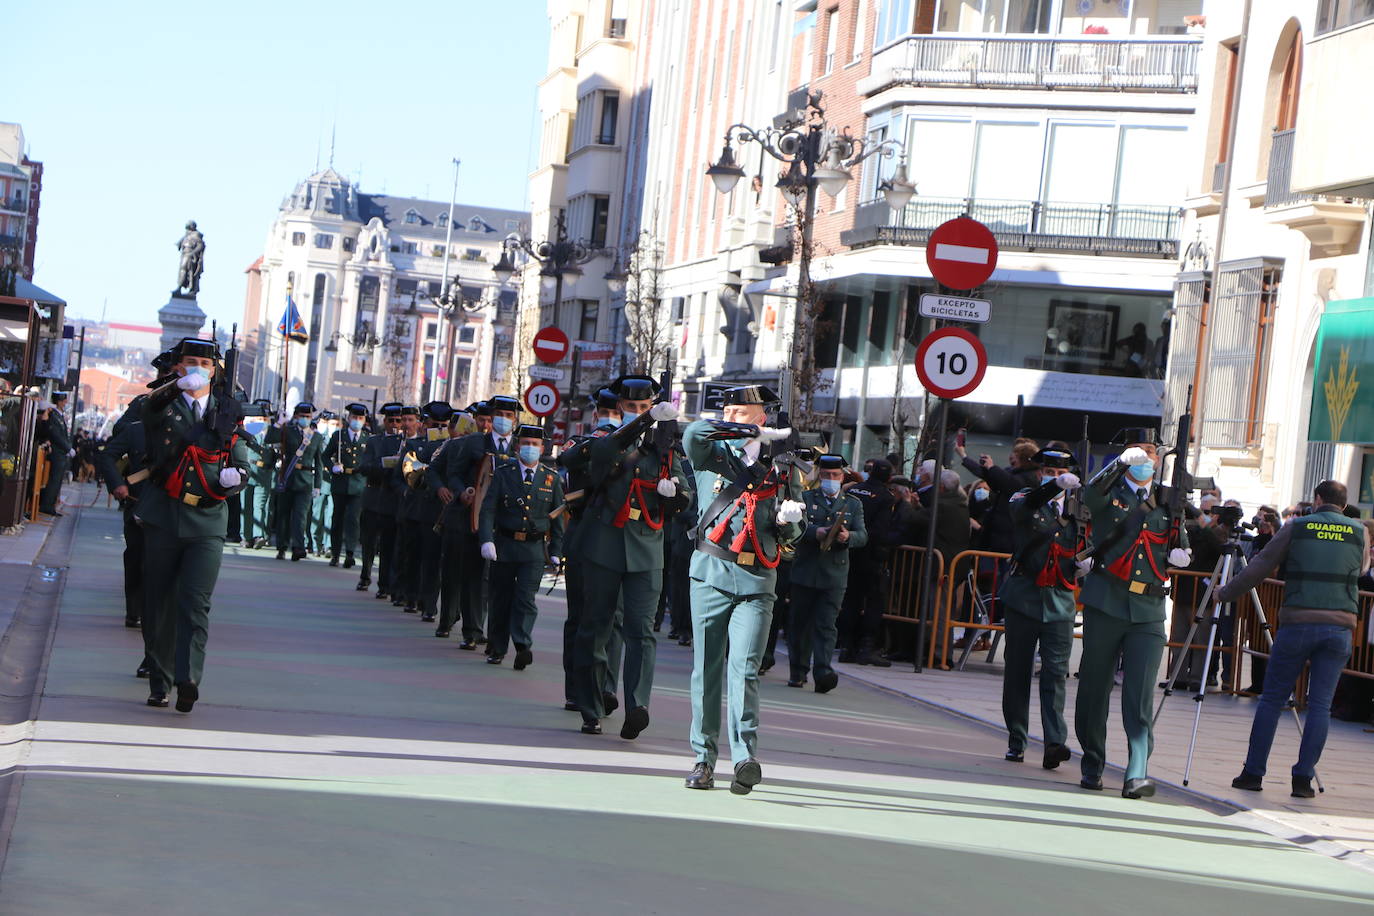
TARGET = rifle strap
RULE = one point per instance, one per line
(291, 465)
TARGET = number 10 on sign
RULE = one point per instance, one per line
(951, 362)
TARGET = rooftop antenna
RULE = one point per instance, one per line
(332, 129)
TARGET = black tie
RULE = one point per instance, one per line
(1140, 495)
(529, 474)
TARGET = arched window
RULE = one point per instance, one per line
(1281, 116)
(412, 216)
(442, 221)
(1290, 86)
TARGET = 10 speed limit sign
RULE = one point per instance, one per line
(541, 398)
(951, 362)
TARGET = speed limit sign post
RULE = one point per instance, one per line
(951, 362)
(541, 398)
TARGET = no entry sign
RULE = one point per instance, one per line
(550, 345)
(541, 398)
(962, 253)
(951, 362)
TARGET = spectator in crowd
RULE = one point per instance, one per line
(951, 520)
(865, 599)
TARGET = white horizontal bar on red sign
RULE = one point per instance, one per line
(964, 253)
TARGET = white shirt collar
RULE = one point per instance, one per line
(1137, 487)
(751, 451)
(192, 400)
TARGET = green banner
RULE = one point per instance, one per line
(1343, 386)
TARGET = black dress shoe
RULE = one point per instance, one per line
(609, 703)
(411, 609)
(827, 682)
(636, 720)
(701, 777)
(427, 618)
(298, 555)
(363, 585)
(748, 774)
(1302, 787)
(685, 641)
(1093, 784)
(591, 728)
(1014, 756)
(157, 699)
(143, 671)
(495, 659)
(334, 561)
(570, 706)
(674, 635)
(523, 658)
(1142, 787)
(1248, 781)
(133, 623)
(441, 633)
(1055, 754)
(381, 595)
(187, 694)
(796, 683)
(349, 562)
(468, 645)
(281, 554)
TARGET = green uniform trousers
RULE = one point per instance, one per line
(293, 512)
(738, 624)
(257, 503)
(180, 576)
(574, 583)
(811, 630)
(1056, 641)
(321, 512)
(513, 587)
(344, 525)
(1140, 647)
(591, 655)
(464, 582)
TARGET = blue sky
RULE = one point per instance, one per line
(148, 114)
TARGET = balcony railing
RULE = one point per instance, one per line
(1032, 62)
(14, 204)
(1027, 225)
(1278, 191)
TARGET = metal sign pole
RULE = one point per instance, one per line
(928, 581)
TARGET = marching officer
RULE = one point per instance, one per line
(345, 452)
(378, 521)
(122, 461)
(574, 460)
(460, 471)
(298, 481)
(513, 528)
(322, 502)
(820, 572)
(1038, 594)
(635, 488)
(1136, 540)
(419, 511)
(745, 521)
(257, 495)
(403, 551)
(196, 463)
(427, 507)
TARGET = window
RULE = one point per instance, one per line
(1337, 14)
(894, 21)
(410, 248)
(472, 254)
(437, 251)
(324, 240)
(431, 330)
(610, 114)
(860, 20)
(832, 27)
(512, 225)
(1237, 355)
(412, 216)
(586, 329)
(348, 244)
(773, 42)
(477, 224)
(1230, 55)
(467, 333)
(601, 214)
(442, 221)
(298, 239)
(806, 28)
(406, 288)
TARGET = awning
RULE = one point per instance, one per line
(23, 289)
(1343, 384)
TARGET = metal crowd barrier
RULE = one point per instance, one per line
(906, 580)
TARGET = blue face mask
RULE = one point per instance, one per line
(502, 425)
(607, 423)
(830, 487)
(303, 422)
(863, 475)
(626, 416)
(529, 454)
(355, 425)
(980, 495)
(1140, 473)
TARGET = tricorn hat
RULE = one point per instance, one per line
(635, 388)
(503, 402)
(164, 361)
(357, 410)
(751, 394)
(437, 410)
(480, 409)
(195, 346)
(390, 409)
(831, 462)
(410, 410)
(304, 407)
(529, 431)
(1054, 458)
(605, 399)
(1135, 434)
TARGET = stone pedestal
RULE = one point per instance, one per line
(180, 317)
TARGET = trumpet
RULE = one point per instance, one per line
(413, 470)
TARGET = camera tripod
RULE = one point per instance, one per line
(1210, 607)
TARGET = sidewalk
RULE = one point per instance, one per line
(1343, 815)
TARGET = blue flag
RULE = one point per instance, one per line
(291, 325)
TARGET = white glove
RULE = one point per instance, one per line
(1067, 481)
(1134, 455)
(667, 487)
(555, 560)
(336, 469)
(489, 551)
(1180, 557)
(192, 381)
(791, 511)
(315, 493)
(768, 433)
(71, 453)
(663, 411)
(230, 477)
(1085, 566)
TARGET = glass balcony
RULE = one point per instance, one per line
(1035, 62)
(1027, 225)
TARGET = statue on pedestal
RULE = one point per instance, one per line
(192, 248)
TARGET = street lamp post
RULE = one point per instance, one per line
(813, 155)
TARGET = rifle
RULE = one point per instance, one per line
(833, 532)
(568, 500)
(1180, 481)
(228, 411)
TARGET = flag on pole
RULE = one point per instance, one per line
(291, 325)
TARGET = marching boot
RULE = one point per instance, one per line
(334, 559)
(868, 655)
(349, 562)
(281, 553)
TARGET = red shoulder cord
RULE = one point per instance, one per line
(1122, 567)
(638, 488)
(749, 499)
(1053, 573)
(193, 457)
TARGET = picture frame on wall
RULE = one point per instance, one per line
(1080, 329)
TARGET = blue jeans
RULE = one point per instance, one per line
(1327, 647)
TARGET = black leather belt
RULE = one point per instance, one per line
(515, 535)
(711, 548)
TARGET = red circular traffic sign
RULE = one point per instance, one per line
(541, 398)
(962, 253)
(550, 345)
(951, 362)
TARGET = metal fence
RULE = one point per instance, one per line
(1278, 190)
(1032, 62)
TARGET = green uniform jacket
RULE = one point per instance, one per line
(306, 474)
(716, 464)
(346, 451)
(127, 442)
(575, 459)
(422, 504)
(1103, 590)
(636, 547)
(816, 568)
(1038, 525)
(261, 467)
(513, 506)
(378, 497)
(459, 466)
(164, 431)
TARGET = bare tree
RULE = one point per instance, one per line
(647, 322)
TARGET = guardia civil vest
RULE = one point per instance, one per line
(1324, 562)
